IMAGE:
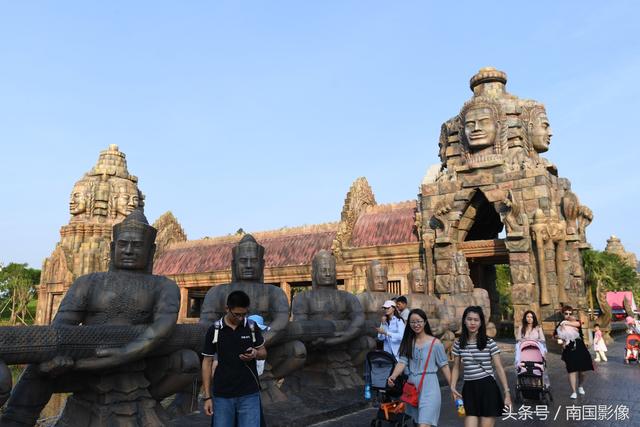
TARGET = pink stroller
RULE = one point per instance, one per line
(533, 384)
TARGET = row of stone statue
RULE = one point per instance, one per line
(129, 353)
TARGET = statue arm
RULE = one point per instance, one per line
(73, 306)
(208, 314)
(279, 308)
(355, 325)
(167, 304)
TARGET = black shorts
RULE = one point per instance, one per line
(482, 398)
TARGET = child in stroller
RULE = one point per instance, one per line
(631, 348)
(533, 382)
(378, 366)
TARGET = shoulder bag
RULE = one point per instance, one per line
(411, 394)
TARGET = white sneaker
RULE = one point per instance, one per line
(580, 390)
(573, 396)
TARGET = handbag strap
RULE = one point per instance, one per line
(424, 371)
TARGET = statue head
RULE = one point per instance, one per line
(79, 198)
(417, 280)
(538, 129)
(247, 263)
(481, 125)
(124, 200)
(323, 269)
(133, 244)
(376, 276)
(462, 268)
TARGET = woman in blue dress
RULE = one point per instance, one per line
(414, 350)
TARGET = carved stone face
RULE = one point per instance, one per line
(377, 278)
(540, 133)
(125, 202)
(132, 250)
(78, 202)
(324, 271)
(480, 128)
(248, 263)
(418, 280)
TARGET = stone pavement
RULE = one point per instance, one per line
(612, 384)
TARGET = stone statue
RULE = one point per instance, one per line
(79, 199)
(585, 216)
(124, 199)
(116, 386)
(557, 240)
(375, 295)
(270, 302)
(484, 132)
(540, 233)
(538, 129)
(437, 312)
(332, 358)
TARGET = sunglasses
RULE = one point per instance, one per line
(238, 315)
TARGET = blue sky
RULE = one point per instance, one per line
(261, 114)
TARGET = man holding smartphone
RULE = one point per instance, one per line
(237, 343)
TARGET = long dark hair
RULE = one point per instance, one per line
(481, 337)
(409, 337)
(524, 322)
(396, 313)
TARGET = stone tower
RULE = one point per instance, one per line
(103, 197)
(492, 177)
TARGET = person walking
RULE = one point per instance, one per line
(480, 356)
(421, 355)
(575, 355)
(391, 328)
(530, 330)
(237, 343)
(599, 346)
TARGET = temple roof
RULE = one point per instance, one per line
(386, 225)
(284, 247)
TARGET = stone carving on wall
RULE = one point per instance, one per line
(484, 134)
(375, 295)
(358, 199)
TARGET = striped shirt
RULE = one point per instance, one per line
(477, 363)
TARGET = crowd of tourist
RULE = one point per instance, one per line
(406, 334)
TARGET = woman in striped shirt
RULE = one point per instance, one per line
(479, 356)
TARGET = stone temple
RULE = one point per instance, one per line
(492, 200)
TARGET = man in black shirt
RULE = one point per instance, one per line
(237, 343)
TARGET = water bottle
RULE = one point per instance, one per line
(367, 392)
(460, 407)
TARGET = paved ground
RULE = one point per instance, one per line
(612, 385)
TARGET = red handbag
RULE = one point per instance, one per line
(410, 393)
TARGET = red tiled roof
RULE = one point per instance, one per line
(283, 250)
(385, 225)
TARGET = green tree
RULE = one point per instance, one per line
(17, 287)
(611, 271)
(503, 286)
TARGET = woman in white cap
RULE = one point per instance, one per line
(391, 328)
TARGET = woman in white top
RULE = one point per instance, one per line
(530, 330)
(391, 328)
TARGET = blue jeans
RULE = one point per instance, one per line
(243, 411)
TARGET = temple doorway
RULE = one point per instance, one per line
(479, 234)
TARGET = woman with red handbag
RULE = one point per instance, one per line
(479, 355)
(421, 355)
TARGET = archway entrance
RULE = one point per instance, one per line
(478, 234)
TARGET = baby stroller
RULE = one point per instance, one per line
(631, 348)
(378, 367)
(533, 383)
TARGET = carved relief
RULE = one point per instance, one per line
(169, 232)
(484, 132)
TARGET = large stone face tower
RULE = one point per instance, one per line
(103, 197)
(493, 177)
